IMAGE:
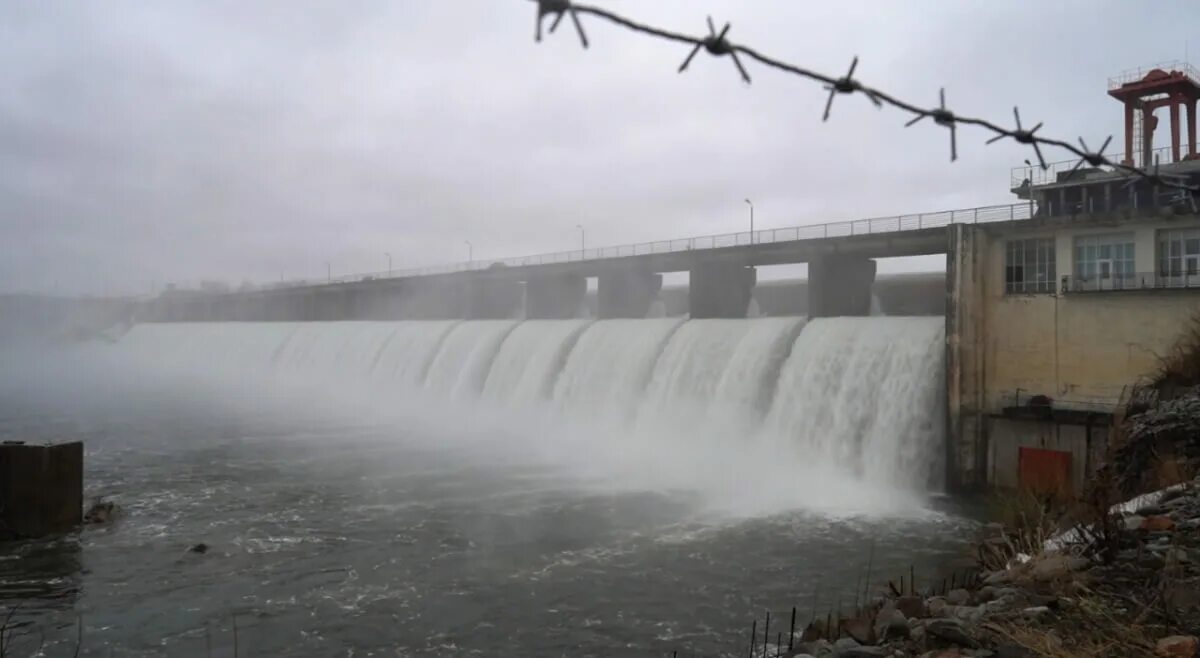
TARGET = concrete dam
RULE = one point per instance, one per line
(862, 395)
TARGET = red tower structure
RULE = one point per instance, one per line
(1145, 90)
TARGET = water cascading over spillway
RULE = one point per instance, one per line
(608, 369)
(866, 394)
(530, 359)
(404, 361)
(347, 349)
(862, 395)
(465, 356)
(730, 364)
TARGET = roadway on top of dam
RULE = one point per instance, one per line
(881, 237)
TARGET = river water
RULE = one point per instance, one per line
(345, 519)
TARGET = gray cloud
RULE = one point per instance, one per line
(142, 143)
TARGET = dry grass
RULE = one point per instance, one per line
(1029, 519)
(1171, 471)
(1096, 626)
(1180, 366)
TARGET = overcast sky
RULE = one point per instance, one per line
(151, 142)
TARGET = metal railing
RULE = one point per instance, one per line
(875, 225)
(1133, 75)
(1130, 281)
(1038, 176)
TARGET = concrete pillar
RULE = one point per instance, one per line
(720, 290)
(41, 488)
(433, 298)
(840, 285)
(1175, 102)
(626, 293)
(966, 449)
(1149, 123)
(556, 297)
(1191, 122)
(1128, 134)
(384, 303)
(352, 304)
(491, 298)
(329, 305)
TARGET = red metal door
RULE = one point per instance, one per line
(1044, 471)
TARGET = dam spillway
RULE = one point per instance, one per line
(864, 394)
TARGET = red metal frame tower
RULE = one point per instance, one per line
(1171, 85)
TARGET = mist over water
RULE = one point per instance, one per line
(772, 410)
(496, 486)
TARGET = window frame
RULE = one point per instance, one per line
(1030, 266)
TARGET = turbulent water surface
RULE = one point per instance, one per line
(480, 488)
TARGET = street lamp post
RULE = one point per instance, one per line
(582, 241)
(328, 272)
(470, 252)
(389, 257)
(751, 204)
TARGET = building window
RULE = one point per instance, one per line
(1029, 266)
(1104, 261)
(1179, 254)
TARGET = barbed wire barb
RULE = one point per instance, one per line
(848, 85)
(717, 45)
(1095, 159)
(1022, 136)
(558, 8)
(942, 117)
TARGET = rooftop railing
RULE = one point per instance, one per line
(1038, 176)
(1133, 75)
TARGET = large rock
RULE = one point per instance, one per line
(967, 613)
(1177, 646)
(845, 644)
(860, 629)
(958, 597)
(864, 652)
(890, 623)
(952, 631)
(1056, 567)
(101, 512)
(1133, 522)
(913, 607)
(1036, 613)
(1157, 524)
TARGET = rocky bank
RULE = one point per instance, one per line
(1131, 590)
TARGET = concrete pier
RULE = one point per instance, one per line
(556, 297)
(720, 290)
(626, 293)
(492, 298)
(840, 285)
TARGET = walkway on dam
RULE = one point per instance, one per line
(757, 243)
(722, 277)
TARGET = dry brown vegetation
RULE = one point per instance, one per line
(1180, 366)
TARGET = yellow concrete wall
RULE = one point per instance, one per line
(1080, 348)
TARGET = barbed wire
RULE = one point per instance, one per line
(718, 44)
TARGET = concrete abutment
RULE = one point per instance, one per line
(626, 293)
(555, 297)
(720, 290)
(840, 285)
